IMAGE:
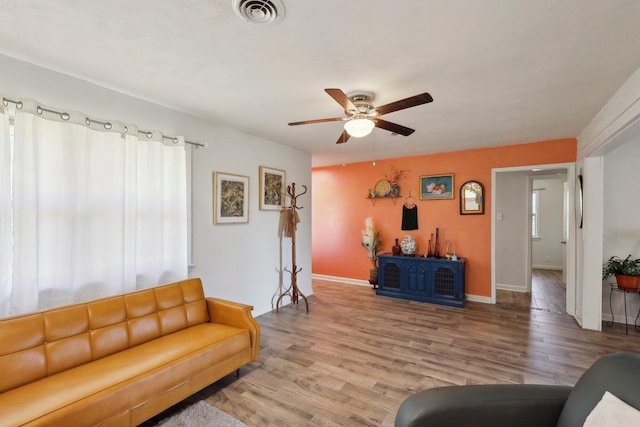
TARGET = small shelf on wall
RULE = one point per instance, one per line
(374, 198)
(383, 190)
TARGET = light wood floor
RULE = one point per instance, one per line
(356, 356)
(548, 293)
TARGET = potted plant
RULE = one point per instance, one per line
(626, 271)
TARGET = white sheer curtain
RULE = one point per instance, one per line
(6, 239)
(95, 212)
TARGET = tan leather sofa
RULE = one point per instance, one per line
(119, 361)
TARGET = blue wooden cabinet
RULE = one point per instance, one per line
(439, 281)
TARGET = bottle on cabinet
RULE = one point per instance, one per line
(396, 249)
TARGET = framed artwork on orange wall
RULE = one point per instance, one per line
(435, 187)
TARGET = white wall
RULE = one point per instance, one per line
(512, 246)
(621, 220)
(590, 307)
(235, 261)
(617, 123)
(546, 252)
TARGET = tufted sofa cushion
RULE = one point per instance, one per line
(120, 359)
(114, 380)
(39, 345)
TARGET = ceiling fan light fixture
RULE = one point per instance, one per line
(359, 126)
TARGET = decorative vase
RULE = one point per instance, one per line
(396, 249)
(408, 245)
(395, 190)
(373, 273)
(436, 249)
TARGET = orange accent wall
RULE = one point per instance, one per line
(340, 207)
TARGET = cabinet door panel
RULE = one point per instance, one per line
(417, 280)
(390, 276)
(444, 281)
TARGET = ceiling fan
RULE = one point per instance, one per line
(361, 116)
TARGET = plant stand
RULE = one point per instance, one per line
(614, 287)
(293, 290)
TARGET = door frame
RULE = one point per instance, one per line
(571, 242)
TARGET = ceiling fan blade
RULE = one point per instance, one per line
(393, 127)
(342, 99)
(412, 101)
(343, 138)
(308, 122)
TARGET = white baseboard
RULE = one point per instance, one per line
(606, 317)
(547, 267)
(348, 281)
(478, 298)
(336, 279)
(578, 319)
(512, 288)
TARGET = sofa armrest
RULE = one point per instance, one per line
(523, 405)
(238, 315)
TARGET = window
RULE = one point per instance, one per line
(105, 213)
(535, 213)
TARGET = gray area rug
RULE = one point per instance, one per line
(201, 414)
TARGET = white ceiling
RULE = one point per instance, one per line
(500, 71)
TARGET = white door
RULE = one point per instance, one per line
(565, 230)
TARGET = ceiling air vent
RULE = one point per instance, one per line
(259, 11)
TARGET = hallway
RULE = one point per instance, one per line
(548, 293)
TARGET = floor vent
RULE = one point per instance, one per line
(259, 11)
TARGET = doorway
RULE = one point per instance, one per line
(513, 266)
(549, 227)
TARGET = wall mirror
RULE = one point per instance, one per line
(471, 198)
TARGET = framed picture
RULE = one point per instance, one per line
(272, 187)
(231, 198)
(434, 187)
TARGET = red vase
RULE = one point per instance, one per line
(396, 249)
